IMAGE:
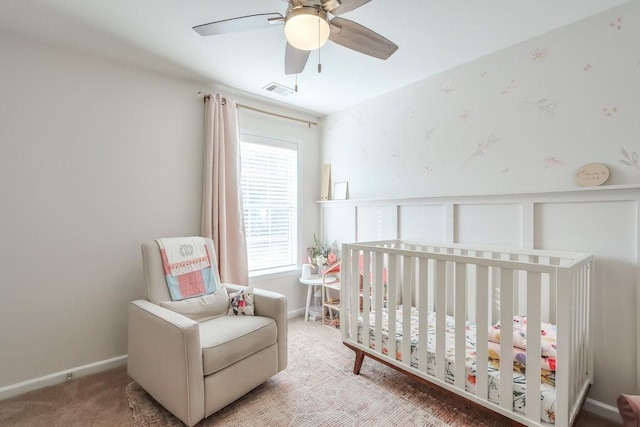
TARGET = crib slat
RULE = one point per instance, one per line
(506, 338)
(581, 330)
(355, 270)
(408, 267)
(431, 286)
(353, 286)
(460, 318)
(548, 309)
(588, 347)
(482, 329)
(450, 284)
(346, 282)
(553, 298)
(563, 369)
(378, 262)
(585, 319)
(441, 293)
(533, 346)
(423, 306)
(520, 298)
(349, 256)
(576, 357)
(588, 337)
(366, 299)
(573, 355)
(494, 274)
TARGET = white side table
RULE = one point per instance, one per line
(311, 283)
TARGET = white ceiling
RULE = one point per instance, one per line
(432, 36)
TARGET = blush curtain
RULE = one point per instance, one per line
(222, 215)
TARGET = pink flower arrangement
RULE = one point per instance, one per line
(323, 254)
(332, 258)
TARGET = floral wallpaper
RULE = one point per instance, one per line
(522, 119)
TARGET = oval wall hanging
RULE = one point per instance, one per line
(592, 175)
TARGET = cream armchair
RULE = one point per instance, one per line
(193, 368)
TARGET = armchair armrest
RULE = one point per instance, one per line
(165, 358)
(273, 305)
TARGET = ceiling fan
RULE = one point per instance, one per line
(307, 27)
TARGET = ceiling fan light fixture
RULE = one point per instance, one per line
(306, 28)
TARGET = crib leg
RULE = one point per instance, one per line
(357, 364)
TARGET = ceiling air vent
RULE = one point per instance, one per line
(278, 88)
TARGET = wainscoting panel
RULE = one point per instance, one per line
(608, 229)
(339, 224)
(422, 223)
(490, 224)
(377, 223)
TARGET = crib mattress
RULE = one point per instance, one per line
(547, 391)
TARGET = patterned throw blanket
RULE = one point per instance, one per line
(548, 334)
(184, 254)
(187, 267)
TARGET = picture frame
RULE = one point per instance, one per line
(340, 190)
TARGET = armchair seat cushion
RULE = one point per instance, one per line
(226, 340)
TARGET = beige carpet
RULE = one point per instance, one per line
(319, 389)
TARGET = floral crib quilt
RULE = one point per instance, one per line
(547, 391)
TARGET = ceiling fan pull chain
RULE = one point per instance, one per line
(319, 45)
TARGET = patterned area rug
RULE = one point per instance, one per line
(318, 388)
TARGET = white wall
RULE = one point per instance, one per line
(521, 120)
(96, 157)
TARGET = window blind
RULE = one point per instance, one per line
(270, 202)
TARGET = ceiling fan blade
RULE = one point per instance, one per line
(338, 7)
(241, 23)
(295, 59)
(361, 39)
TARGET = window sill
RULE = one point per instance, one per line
(274, 273)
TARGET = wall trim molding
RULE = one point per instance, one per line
(298, 312)
(61, 376)
(588, 192)
(602, 409)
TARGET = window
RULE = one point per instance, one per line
(270, 202)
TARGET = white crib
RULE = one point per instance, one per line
(436, 286)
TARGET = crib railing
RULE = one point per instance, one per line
(480, 285)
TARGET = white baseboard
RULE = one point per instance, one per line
(295, 313)
(605, 411)
(60, 377)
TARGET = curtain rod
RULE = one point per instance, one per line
(269, 113)
(246, 107)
